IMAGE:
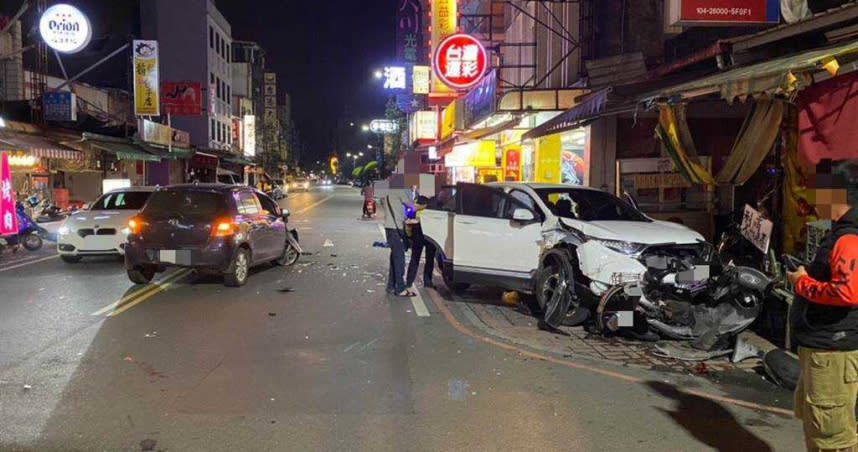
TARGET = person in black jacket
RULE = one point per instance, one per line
(824, 319)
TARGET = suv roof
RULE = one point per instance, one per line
(208, 186)
(539, 185)
(145, 189)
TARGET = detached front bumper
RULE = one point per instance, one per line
(216, 255)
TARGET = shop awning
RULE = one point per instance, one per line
(591, 107)
(482, 133)
(768, 78)
(37, 146)
(124, 151)
(165, 152)
(239, 161)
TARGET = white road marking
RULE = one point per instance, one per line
(419, 305)
(381, 231)
(29, 262)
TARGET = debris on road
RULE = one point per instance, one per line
(511, 298)
(457, 390)
(272, 314)
(148, 445)
(328, 243)
(285, 289)
(150, 335)
(380, 245)
(129, 359)
(27, 387)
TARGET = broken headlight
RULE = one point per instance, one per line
(622, 247)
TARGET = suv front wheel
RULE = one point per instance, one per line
(553, 292)
(236, 276)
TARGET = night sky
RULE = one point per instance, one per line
(324, 53)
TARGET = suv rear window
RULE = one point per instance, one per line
(186, 202)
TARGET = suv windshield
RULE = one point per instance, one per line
(588, 205)
(123, 200)
(186, 202)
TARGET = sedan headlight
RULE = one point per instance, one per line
(126, 231)
(622, 247)
(63, 230)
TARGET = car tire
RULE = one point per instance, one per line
(141, 275)
(447, 274)
(290, 256)
(557, 262)
(70, 259)
(239, 269)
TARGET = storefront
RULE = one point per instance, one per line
(38, 165)
(202, 167)
(476, 161)
(562, 158)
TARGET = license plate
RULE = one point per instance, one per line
(168, 256)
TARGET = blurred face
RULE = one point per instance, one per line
(413, 188)
(831, 203)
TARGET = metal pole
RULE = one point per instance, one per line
(170, 126)
(87, 70)
(17, 16)
(62, 67)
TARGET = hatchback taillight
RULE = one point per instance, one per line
(223, 228)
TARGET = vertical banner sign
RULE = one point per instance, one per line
(8, 218)
(443, 25)
(269, 121)
(512, 163)
(146, 83)
(249, 135)
(409, 39)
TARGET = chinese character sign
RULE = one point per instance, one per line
(60, 106)
(512, 163)
(8, 218)
(394, 77)
(146, 82)
(756, 229)
(420, 79)
(460, 61)
(408, 31)
(444, 13)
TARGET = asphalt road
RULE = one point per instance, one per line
(314, 357)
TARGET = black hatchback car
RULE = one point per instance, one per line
(223, 229)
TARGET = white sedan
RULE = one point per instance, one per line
(101, 229)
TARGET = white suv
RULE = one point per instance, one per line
(567, 244)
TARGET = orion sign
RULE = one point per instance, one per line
(65, 28)
(460, 61)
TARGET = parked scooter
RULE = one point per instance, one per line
(30, 234)
(50, 212)
(293, 249)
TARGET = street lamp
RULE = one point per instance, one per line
(348, 154)
(369, 146)
(378, 73)
(365, 128)
(360, 153)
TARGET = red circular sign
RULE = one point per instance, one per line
(460, 61)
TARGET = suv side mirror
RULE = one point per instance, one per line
(522, 215)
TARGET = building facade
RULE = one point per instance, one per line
(195, 45)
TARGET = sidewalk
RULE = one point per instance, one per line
(484, 310)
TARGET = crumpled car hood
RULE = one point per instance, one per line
(651, 233)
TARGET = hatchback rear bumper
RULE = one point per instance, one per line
(216, 255)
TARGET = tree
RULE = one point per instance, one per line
(392, 112)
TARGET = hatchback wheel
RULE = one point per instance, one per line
(141, 275)
(239, 269)
(290, 256)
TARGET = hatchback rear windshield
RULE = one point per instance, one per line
(123, 200)
(186, 202)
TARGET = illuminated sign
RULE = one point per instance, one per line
(722, 12)
(147, 99)
(249, 135)
(65, 28)
(383, 126)
(420, 79)
(423, 126)
(8, 218)
(444, 14)
(460, 61)
(394, 77)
